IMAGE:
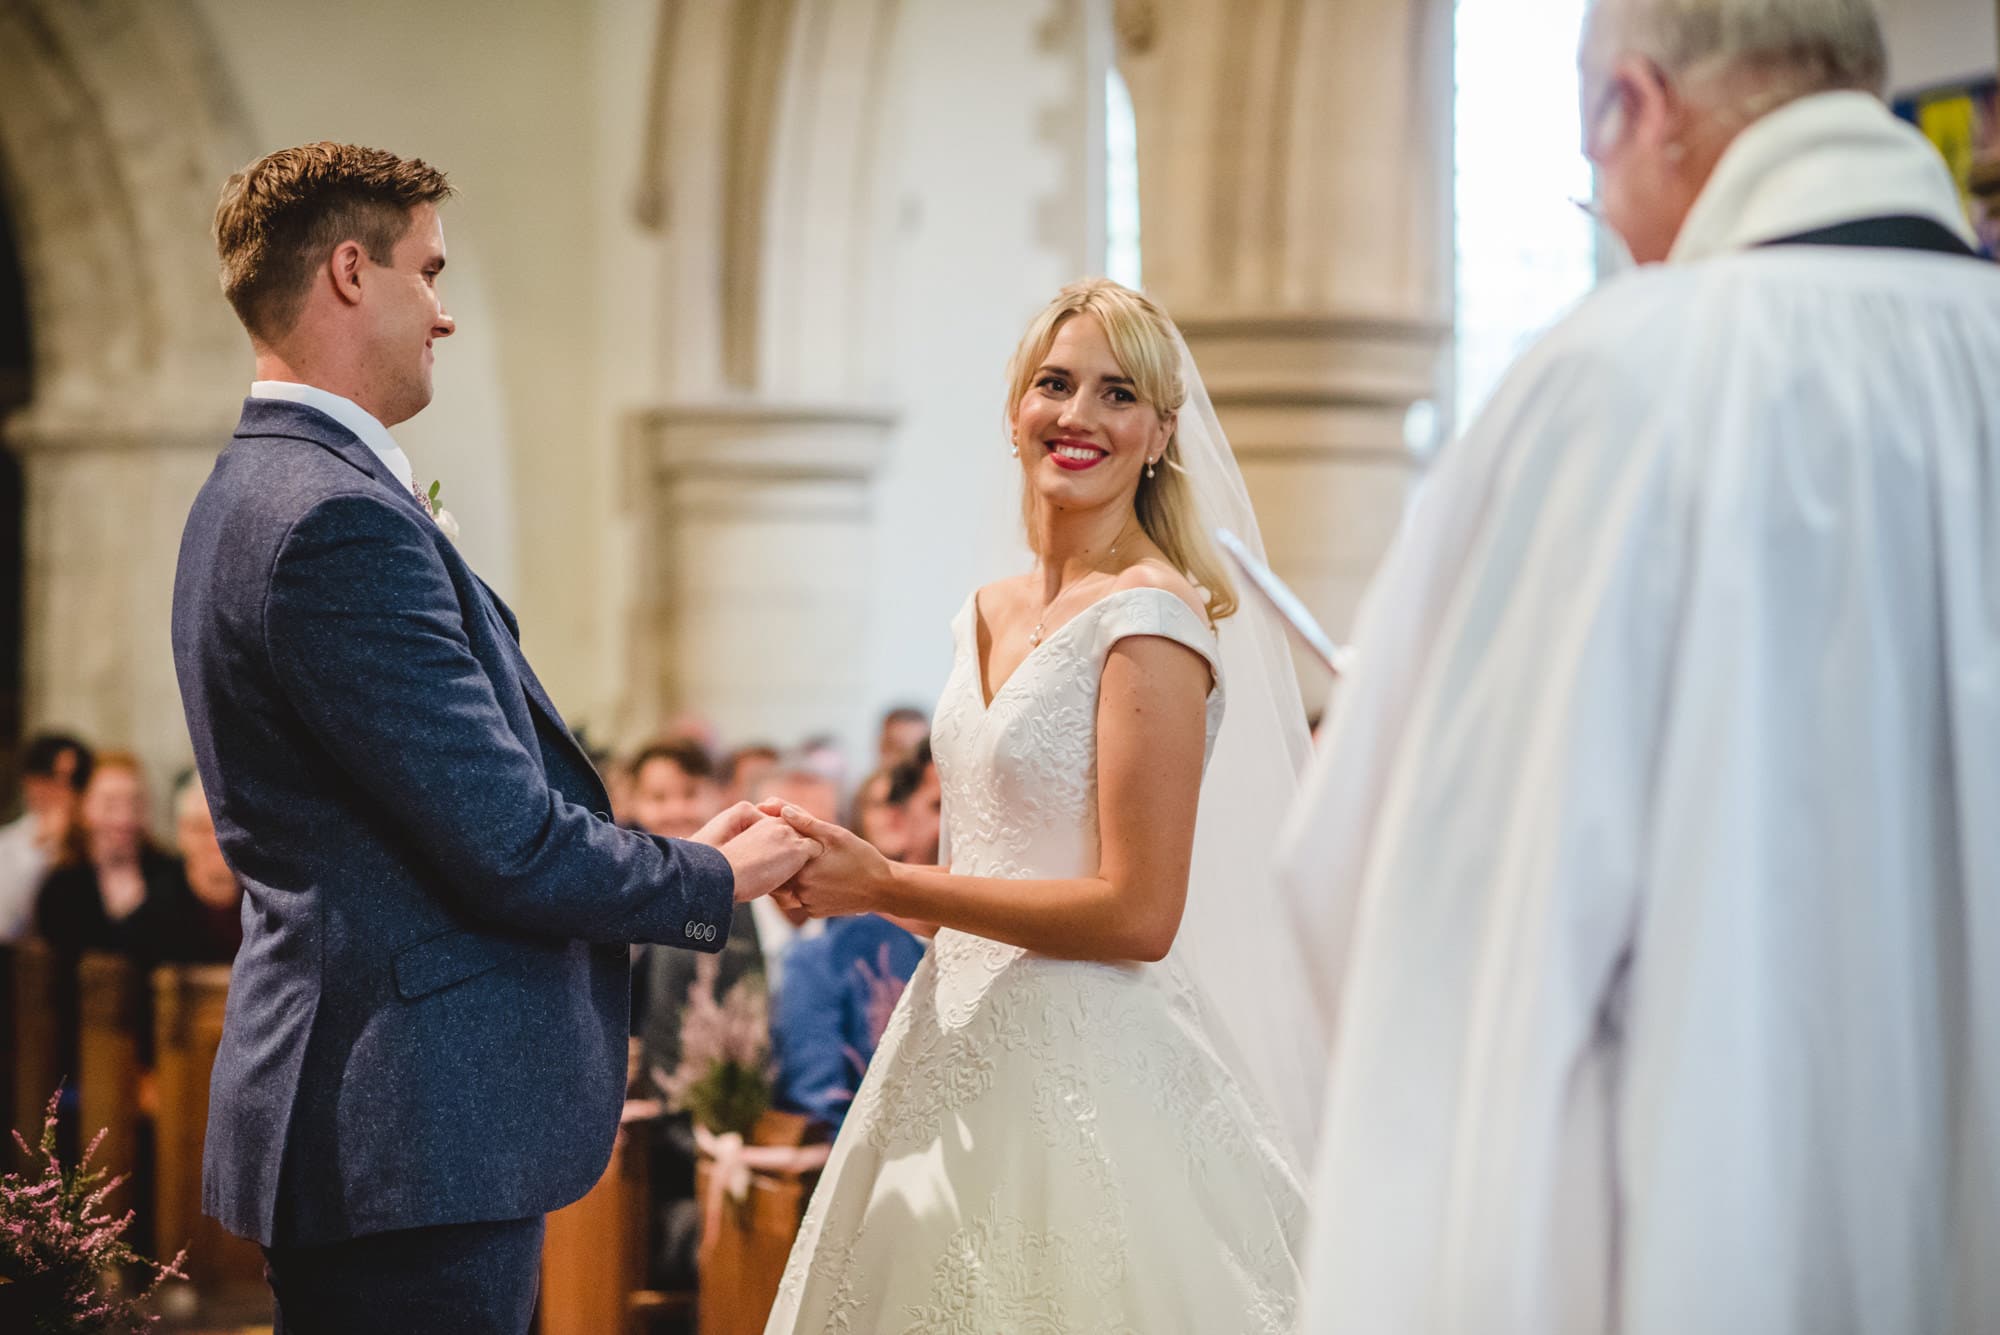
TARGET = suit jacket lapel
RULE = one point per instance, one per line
(531, 685)
(282, 418)
(507, 617)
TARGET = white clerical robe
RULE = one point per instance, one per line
(1654, 847)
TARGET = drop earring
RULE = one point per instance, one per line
(1014, 449)
(1149, 466)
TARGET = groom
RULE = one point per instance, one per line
(425, 1044)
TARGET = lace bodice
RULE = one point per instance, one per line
(1045, 1144)
(1019, 775)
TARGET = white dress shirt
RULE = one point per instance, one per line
(350, 415)
(776, 936)
(23, 865)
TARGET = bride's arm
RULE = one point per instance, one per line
(914, 926)
(1151, 731)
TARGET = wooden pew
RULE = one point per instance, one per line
(746, 1260)
(9, 1104)
(36, 1067)
(188, 1002)
(108, 1072)
(594, 1256)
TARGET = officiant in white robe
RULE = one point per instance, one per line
(1653, 851)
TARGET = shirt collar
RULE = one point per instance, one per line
(1826, 159)
(349, 414)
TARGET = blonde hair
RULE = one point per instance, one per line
(1143, 342)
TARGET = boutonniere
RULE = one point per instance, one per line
(439, 515)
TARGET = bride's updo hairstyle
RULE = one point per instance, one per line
(1142, 339)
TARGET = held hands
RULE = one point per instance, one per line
(726, 825)
(848, 876)
(764, 852)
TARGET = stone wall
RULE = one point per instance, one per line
(735, 287)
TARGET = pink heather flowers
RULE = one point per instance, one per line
(57, 1247)
(724, 1078)
(883, 991)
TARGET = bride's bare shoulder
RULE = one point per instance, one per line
(1157, 574)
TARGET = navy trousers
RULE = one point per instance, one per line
(455, 1279)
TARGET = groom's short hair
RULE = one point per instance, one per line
(281, 216)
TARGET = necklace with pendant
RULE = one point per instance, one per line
(1035, 635)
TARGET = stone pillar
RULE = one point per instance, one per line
(117, 126)
(1295, 216)
(104, 516)
(761, 180)
(755, 604)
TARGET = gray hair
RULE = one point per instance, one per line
(799, 766)
(1797, 47)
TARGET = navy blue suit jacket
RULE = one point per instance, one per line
(427, 1020)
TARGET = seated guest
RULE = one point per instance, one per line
(917, 799)
(215, 918)
(841, 987)
(808, 777)
(874, 819)
(112, 889)
(667, 976)
(54, 770)
(799, 780)
(840, 990)
(691, 725)
(744, 767)
(824, 755)
(902, 729)
(113, 892)
(674, 791)
(674, 794)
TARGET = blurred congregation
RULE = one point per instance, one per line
(115, 934)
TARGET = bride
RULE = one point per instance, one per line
(1084, 1114)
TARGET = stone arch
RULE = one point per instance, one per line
(761, 174)
(1295, 183)
(787, 197)
(116, 124)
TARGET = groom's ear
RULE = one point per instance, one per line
(344, 265)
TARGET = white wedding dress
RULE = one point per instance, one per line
(1045, 1145)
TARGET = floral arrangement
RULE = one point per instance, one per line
(442, 516)
(58, 1248)
(724, 1076)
